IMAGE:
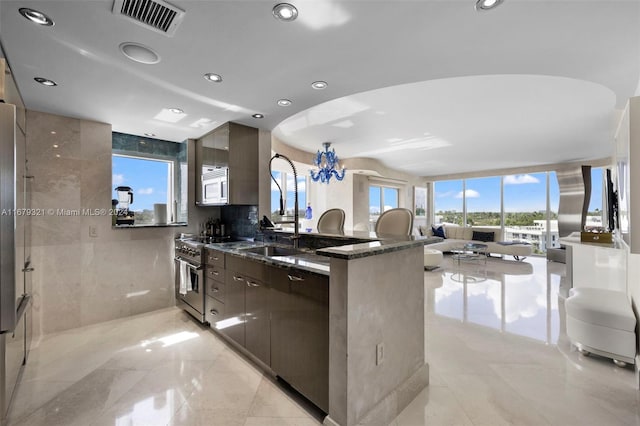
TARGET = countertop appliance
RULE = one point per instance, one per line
(189, 278)
(215, 188)
(15, 259)
(125, 199)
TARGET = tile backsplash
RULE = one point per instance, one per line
(242, 221)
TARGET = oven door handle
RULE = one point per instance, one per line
(191, 266)
(194, 267)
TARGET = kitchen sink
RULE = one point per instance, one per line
(274, 251)
(287, 254)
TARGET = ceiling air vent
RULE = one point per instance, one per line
(156, 15)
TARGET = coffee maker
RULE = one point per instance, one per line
(125, 199)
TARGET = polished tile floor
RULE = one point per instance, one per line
(495, 345)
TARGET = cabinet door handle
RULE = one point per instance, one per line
(215, 289)
(252, 284)
(237, 278)
(216, 273)
(294, 278)
(28, 269)
(214, 312)
(213, 257)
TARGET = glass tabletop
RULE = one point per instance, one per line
(474, 246)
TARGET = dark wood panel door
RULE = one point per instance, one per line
(300, 332)
(257, 319)
(233, 326)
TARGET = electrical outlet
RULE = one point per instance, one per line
(379, 353)
(93, 231)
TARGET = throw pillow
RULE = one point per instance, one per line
(483, 236)
(438, 232)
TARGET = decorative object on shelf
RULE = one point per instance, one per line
(328, 165)
(308, 215)
(596, 237)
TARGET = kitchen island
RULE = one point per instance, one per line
(370, 331)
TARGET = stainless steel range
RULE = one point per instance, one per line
(189, 277)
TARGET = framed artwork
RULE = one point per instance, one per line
(419, 201)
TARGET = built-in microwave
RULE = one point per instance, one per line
(215, 189)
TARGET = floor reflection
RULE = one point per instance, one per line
(514, 297)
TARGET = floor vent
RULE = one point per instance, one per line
(157, 15)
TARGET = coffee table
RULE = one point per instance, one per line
(470, 252)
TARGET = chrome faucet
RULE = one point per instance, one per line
(296, 225)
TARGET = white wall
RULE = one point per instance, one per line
(352, 194)
(631, 142)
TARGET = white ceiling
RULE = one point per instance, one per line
(428, 87)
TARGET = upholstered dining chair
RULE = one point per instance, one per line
(397, 221)
(331, 220)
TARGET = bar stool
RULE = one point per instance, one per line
(331, 221)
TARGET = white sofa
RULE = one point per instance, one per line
(457, 236)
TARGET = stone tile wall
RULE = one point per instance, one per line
(81, 279)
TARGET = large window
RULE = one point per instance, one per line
(483, 201)
(449, 202)
(285, 180)
(156, 173)
(381, 198)
(150, 182)
(525, 211)
(529, 203)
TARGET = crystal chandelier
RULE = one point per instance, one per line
(328, 165)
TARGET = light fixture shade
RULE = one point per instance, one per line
(328, 165)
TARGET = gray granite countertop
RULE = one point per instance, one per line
(358, 244)
(373, 248)
(305, 260)
(317, 261)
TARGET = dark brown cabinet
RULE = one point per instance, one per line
(234, 306)
(235, 147)
(213, 312)
(257, 330)
(300, 332)
(215, 287)
(247, 306)
(278, 314)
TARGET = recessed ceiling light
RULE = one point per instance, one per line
(258, 116)
(139, 53)
(284, 102)
(319, 85)
(213, 77)
(150, 134)
(176, 110)
(285, 12)
(55, 145)
(57, 155)
(53, 132)
(487, 4)
(45, 81)
(36, 17)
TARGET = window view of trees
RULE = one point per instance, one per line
(448, 202)
(525, 205)
(483, 201)
(477, 202)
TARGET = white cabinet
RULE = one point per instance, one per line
(596, 265)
